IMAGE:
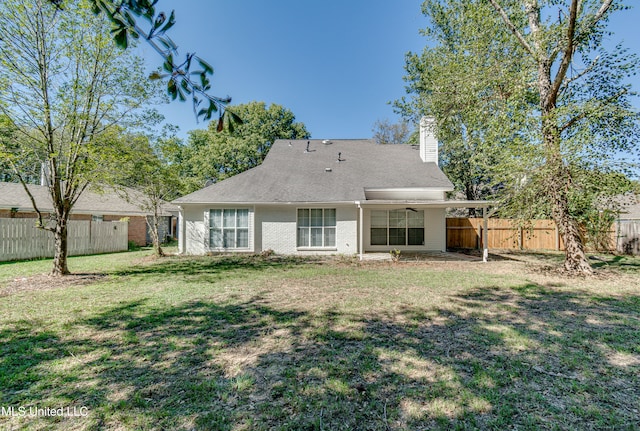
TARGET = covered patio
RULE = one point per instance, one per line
(421, 205)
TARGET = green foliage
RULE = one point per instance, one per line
(395, 254)
(479, 82)
(8, 148)
(65, 88)
(132, 246)
(146, 176)
(468, 77)
(216, 155)
(133, 19)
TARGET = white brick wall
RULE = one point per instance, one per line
(435, 236)
(278, 229)
(197, 230)
(194, 230)
(273, 228)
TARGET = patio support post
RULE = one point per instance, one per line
(485, 234)
(360, 231)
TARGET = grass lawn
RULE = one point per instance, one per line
(251, 343)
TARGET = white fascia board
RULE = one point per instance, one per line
(182, 204)
(430, 203)
(408, 189)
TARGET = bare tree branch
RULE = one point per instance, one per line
(513, 29)
(568, 50)
(606, 4)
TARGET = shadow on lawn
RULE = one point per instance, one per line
(202, 267)
(529, 358)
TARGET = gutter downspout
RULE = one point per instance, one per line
(360, 230)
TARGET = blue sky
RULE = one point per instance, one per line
(336, 64)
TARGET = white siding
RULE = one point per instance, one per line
(428, 141)
(404, 194)
(435, 229)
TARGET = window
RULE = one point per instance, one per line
(229, 228)
(97, 218)
(316, 227)
(397, 227)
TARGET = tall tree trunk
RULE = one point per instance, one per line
(154, 226)
(60, 258)
(559, 182)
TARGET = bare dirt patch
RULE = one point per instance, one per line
(46, 282)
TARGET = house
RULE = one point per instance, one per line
(326, 197)
(99, 207)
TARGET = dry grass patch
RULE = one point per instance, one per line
(229, 343)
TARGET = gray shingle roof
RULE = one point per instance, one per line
(290, 174)
(630, 207)
(12, 195)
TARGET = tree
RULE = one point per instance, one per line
(64, 86)
(125, 15)
(490, 81)
(469, 79)
(213, 155)
(385, 132)
(584, 111)
(148, 177)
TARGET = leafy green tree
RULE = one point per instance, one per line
(8, 140)
(213, 155)
(535, 103)
(473, 86)
(150, 179)
(584, 112)
(64, 86)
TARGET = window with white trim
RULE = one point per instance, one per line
(316, 227)
(229, 228)
(397, 227)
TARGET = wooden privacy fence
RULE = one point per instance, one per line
(21, 239)
(507, 234)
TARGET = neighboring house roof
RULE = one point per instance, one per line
(12, 195)
(630, 207)
(289, 173)
(626, 205)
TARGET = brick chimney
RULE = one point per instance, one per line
(428, 141)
